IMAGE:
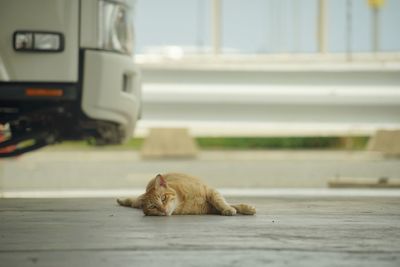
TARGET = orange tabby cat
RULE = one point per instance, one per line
(176, 193)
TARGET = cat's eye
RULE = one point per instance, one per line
(151, 207)
(163, 198)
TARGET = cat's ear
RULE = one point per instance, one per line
(160, 181)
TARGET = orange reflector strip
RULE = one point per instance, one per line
(43, 92)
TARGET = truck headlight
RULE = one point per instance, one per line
(115, 27)
(45, 41)
(33, 41)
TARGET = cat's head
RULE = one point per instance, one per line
(160, 199)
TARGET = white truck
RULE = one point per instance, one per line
(66, 73)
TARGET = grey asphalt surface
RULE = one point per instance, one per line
(284, 232)
(69, 170)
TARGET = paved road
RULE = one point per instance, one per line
(285, 232)
(99, 170)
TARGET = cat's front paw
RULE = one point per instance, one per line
(228, 212)
(250, 210)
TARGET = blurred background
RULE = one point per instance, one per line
(266, 26)
(248, 95)
(269, 67)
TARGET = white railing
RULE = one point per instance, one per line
(259, 96)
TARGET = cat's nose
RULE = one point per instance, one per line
(165, 211)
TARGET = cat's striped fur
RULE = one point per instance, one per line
(180, 194)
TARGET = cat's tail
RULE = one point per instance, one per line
(127, 202)
(130, 202)
(244, 209)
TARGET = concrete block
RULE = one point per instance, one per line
(169, 142)
(382, 182)
(386, 141)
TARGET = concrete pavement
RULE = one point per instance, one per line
(284, 232)
(114, 170)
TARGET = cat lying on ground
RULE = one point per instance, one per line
(180, 194)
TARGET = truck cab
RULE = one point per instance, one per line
(66, 73)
